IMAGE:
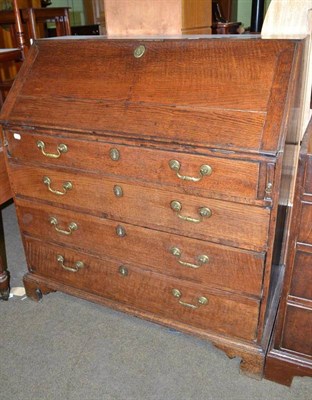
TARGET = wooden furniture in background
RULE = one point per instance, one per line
(172, 17)
(8, 55)
(220, 24)
(138, 213)
(291, 351)
(34, 16)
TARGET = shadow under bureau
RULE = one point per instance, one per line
(148, 176)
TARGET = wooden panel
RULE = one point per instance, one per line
(308, 176)
(225, 314)
(302, 275)
(227, 267)
(148, 206)
(229, 177)
(305, 234)
(165, 86)
(164, 75)
(297, 330)
(216, 128)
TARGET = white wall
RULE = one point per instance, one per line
(244, 10)
(76, 12)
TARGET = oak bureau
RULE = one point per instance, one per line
(148, 176)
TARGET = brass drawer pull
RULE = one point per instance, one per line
(77, 266)
(72, 226)
(66, 186)
(202, 301)
(205, 170)
(61, 148)
(204, 212)
(202, 259)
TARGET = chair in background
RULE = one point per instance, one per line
(10, 56)
(34, 16)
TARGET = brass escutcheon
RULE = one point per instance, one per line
(123, 270)
(114, 154)
(139, 51)
(118, 191)
(120, 231)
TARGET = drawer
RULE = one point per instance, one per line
(214, 176)
(178, 256)
(297, 329)
(305, 232)
(301, 285)
(227, 223)
(147, 291)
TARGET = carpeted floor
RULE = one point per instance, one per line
(65, 348)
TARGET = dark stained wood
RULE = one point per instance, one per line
(173, 103)
(291, 349)
(298, 323)
(282, 367)
(305, 234)
(302, 274)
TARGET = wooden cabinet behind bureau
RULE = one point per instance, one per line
(291, 350)
(147, 175)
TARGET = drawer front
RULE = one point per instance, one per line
(193, 174)
(229, 315)
(297, 330)
(301, 284)
(228, 223)
(305, 232)
(182, 257)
